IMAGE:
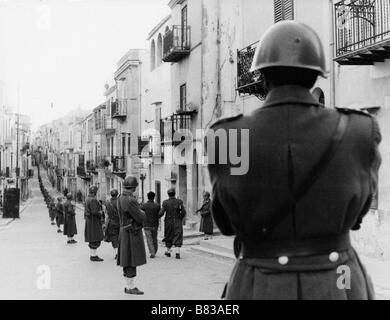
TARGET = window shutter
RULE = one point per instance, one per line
(283, 10)
(278, 10)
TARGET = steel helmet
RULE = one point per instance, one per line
(130, 182)
(290, 44)
(93, 189)
(171, 192)
(69, 196)
(114, 193)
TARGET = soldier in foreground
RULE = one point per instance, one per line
(152, 210)
(131, 251)
(112, 223)
(70, 228)
(175, 212)
(312, 174)
(93, 233)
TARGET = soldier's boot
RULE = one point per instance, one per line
(134, 291)
(177, 252)
(96, 259)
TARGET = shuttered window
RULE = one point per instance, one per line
(283, 10)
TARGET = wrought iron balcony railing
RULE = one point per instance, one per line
(91, 166)
(249, 82)
(172, 124)
(119, 109)
(177, 43)
(104, 123)
(362, 29)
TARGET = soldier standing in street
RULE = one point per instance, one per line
(52, 210)
(131, 251)
(152, 210)
(93, 223)
(310, 181)
(206, 220)
(175, 212)
(112, 222)
(70, 228)
(59, 214)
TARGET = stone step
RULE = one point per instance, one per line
(216, 254)
(219, 248)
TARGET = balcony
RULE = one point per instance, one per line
(251, 83)
(170, 125)
(177, 43)
(71, 173)
(104, 124)
(91, 167)
(119, 167)
(82, 173)
(119, 109)
(362, 30)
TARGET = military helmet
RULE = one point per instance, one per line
(171, 192)
(59, 199)
(93, 189)
(290, 44)
(130, 182)
(114, 193)
(69, 196)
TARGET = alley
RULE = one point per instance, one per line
(31, 244)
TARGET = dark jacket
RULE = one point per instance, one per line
(206, 221)
(70, 228)
(173, 222)
(59, 209)
(152, 210)
(287, 136)
(113, 224)
(131, 251)
(52, 209)
(93, 220)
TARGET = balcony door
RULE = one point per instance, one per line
(184, 24)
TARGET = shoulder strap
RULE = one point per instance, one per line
(313, 175)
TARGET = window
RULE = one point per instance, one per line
(128, 143)
(152, 56)
(159, 49)
(184, 24)
(183, 97)
(123, 144)
(283, 10)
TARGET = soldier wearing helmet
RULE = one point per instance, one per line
(112, 223)
(312, 174)
(93, 233)
(131, 251)
(59, 209)
(175, 212)
(70, 228)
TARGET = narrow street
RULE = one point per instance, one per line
(31, 243)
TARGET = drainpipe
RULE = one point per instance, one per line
(331, 57)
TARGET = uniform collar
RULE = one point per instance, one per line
(127, 192)
(290, 94)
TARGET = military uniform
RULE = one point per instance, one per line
(93, 233)
(175, 212)
(131, 251)
(59, 214)
(112, 228)
(70, 228)
(298, 259)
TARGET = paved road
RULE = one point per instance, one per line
(31, 245)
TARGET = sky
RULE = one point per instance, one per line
(58, 54)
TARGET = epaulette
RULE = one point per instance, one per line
(225, 120)
(350, 111)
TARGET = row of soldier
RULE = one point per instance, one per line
(120, 221)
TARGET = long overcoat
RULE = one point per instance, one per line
(70, 228)
(206, 221)
(59, 209)
(131, 251)
(93, 220)
(52, 211)
(175, 212)
(113, 224)
(285, 138)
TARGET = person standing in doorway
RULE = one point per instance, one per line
(93, 233)
(206, 220)
(152, 210)
(175, 212)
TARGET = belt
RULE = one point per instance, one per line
(296, 248)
